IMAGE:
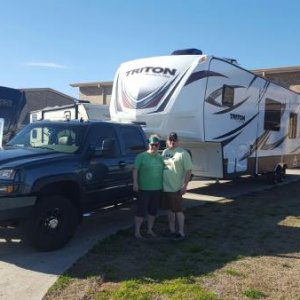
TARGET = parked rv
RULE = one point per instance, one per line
(12, 103)
(233, 121)
(15, 106)
(77, 111)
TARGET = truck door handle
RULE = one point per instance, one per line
(122, 164)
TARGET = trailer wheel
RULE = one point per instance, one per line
(276, 176)
(283, 172)
(52, 223)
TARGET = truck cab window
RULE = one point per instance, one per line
(99, 134)
(134, 142)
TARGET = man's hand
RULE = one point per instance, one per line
(183, 189)
(135, 187)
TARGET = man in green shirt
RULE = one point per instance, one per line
(147, 182)
(176, 176)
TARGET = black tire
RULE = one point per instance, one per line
(283, 172)
(276, 176)
(52, 223)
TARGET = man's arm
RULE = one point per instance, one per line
(186, 181)
(135, 180)
(187, 163)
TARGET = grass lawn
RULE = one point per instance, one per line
(243, 248)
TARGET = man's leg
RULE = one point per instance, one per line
(171, 218)
(138, 223)
(180, 220)
(150, 222)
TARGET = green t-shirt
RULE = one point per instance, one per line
(177, 163)
(150, 171)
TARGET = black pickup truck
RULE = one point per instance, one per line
(51, 173)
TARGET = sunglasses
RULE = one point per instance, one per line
(154, 145)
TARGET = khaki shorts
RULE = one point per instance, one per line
(171, 201)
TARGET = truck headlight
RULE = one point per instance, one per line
(7, 174)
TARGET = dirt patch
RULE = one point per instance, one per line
(240, 248)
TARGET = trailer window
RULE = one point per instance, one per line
(292, 126)
(272, 115)
(227, 95)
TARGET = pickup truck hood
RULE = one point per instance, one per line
(19, 157)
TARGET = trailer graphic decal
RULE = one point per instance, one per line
(227, 141)
(211, 99)
(237, 129)
(145, 99)
(295, 150)
(263, 90)
(257, 143)
(274, 145)
(202, 74)
(251, 82)
(166, 101)
(232, 108)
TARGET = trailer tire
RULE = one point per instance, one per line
(276, 176)
(283, 172)
(52, 223)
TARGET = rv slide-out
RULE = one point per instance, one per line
(233, 121)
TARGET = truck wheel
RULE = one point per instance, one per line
(52, 223)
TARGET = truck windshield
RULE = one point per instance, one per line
(58, 137)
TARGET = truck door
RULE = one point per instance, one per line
(107, 177)
(103, 172)
(132, 143)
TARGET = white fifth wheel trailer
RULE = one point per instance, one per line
(233, 121)
(83, 111)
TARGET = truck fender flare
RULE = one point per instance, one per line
(44, 181)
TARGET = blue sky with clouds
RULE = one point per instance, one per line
(52, 43)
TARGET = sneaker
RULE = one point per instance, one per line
(151, 235)
(179, 237)
(169, 234)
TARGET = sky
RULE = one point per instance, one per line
(53, 43)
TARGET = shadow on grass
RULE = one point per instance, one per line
(217, 233)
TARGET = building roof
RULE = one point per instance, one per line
(47, 90)
(92, 84)
(281, 70)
